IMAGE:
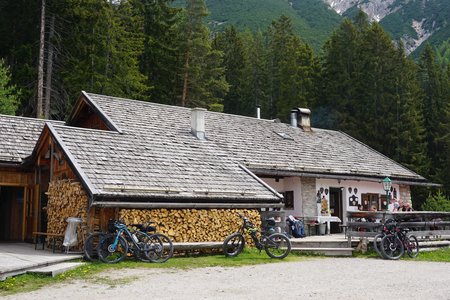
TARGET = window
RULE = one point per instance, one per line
(371, 200)
(288, 199)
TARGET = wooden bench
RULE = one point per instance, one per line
(40, 237)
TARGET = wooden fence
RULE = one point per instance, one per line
(424, 224)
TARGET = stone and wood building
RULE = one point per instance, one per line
(189, 170)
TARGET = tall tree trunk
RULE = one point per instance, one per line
(48, 80)
(185, 81)
(40, 83)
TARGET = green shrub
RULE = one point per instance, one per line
(437, 202)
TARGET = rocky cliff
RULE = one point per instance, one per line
(412, 21)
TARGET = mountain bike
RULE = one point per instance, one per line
(388, 228)
(113, 247)
(91, 243)
(393, 245)
(276, 245)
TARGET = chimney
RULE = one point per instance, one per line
(305, 120)
(258, 111)
(294, 117)
(198, 123)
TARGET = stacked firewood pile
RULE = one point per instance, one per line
(192, 225)
(65, 199)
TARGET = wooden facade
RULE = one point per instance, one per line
(18, 203)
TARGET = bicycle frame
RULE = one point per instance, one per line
(121, 229)
(249, 228)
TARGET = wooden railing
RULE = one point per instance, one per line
(424, 224)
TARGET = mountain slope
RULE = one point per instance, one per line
(312, 19)
(412, 21)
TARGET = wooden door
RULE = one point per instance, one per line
(11, 213)
(335, 208)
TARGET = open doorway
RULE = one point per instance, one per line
(335, 208)
(11, 213)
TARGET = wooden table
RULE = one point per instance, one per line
(328, 220)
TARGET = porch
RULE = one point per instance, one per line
(20, 258)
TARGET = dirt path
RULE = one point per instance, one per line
(317, 278)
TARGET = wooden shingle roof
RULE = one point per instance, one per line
(18, 137)
(163, 165)
(264, 146)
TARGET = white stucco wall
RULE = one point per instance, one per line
(362, 187)
(288, 184)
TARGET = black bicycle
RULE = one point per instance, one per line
(393, 245)
(114, 247)
(276, 245)
(387, 228)
(91, 245)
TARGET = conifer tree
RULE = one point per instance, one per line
(234, 61)
(8, 93)
(341, 69)
(433, 82)
(374, 90)
(290, 65)
(202, 76)
(255, 85)
(19, 31)
(106, 40)
(436, 87)
(160, 58)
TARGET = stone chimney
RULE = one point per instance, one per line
(198, 123)
(305, 119)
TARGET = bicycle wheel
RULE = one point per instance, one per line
(112, 251)
(412, 246)
(91, 245)
(233, 244)
(277, 245)
(377, 243)
(392, 247)
(158, 248)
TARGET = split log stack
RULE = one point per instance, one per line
(193, 225)
(66, 198)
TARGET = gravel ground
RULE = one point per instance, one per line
(315, 278)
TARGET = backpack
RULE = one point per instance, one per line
(296, 226)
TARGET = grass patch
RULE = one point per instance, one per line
(441, 255)
(30, 282)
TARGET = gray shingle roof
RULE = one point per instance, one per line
(158, 164)
(18, 137)
(262, 145)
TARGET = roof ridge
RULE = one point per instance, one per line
(177, 107)
(31, 119)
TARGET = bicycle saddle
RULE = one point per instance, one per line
(144, 228)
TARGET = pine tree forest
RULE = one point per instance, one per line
(361, 82)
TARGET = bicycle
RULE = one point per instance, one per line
(91, 243)
(393, 245)
(276, 245)
(388, 228)
(113, 247)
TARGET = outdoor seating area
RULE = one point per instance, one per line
(424, 224)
